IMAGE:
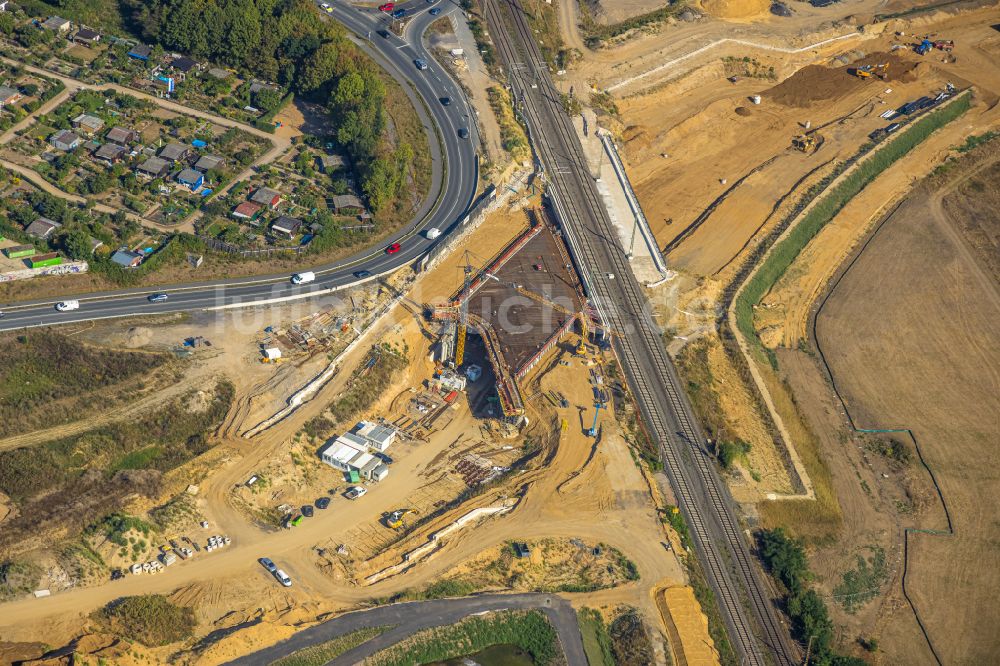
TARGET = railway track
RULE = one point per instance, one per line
(758, 634)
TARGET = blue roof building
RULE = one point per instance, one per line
(140, 52)
(193, 179)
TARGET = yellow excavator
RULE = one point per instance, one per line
(394, 520)
(880, 70)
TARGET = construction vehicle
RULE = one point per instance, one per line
(924, 47)
(592, 432)
(945, 45)
(394, 520)
(880, 70)
(805, 143)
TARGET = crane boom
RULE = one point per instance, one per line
(463, 313)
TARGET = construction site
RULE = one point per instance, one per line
(519, 304)
(467, 427)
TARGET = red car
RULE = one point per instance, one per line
(387, 7)
(392, 249)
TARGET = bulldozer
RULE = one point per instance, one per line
(807, 143)
(394, 520)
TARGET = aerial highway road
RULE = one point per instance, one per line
(454, 183)
(758, 634)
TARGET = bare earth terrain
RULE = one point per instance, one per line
(910, 335)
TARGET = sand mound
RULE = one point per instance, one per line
(138, 336)
(816, 83)
(736, 9)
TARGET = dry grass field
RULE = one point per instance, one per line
(909, 333)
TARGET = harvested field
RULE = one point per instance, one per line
(910, 336)
(972, 207)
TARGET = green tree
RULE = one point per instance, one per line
(267, 99)
(812, 622)
(319, 68)
(784, 557)
(76, 244)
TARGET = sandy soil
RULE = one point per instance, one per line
(927, 314)
(608, 12)
(736, 9)
(579, 492)
(726, 137)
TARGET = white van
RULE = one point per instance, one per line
(302, 278)
(283, 578)
(66, 306)
(433, 233)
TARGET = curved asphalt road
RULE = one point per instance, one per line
(455, 180)
(409, 618)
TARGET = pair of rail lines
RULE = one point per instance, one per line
(759, 637)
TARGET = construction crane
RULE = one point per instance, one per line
(597, 411)
(394, 520)
(463, 313)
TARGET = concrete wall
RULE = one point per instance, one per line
(66, 268)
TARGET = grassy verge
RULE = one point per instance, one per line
(710, 607)
(49, 379)
(827, 207)
(512, 135)
(409, 131)
(151, 619)
(816, 520)
(704, 391)
(529, 631)
(180, 433)
(544, 23)
(67, 484)
(317, 655)
(596, 640)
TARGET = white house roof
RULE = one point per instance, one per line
(347, 451)
(381, 435)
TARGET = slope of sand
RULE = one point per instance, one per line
(736, 9)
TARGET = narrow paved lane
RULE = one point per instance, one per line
(409, 618)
